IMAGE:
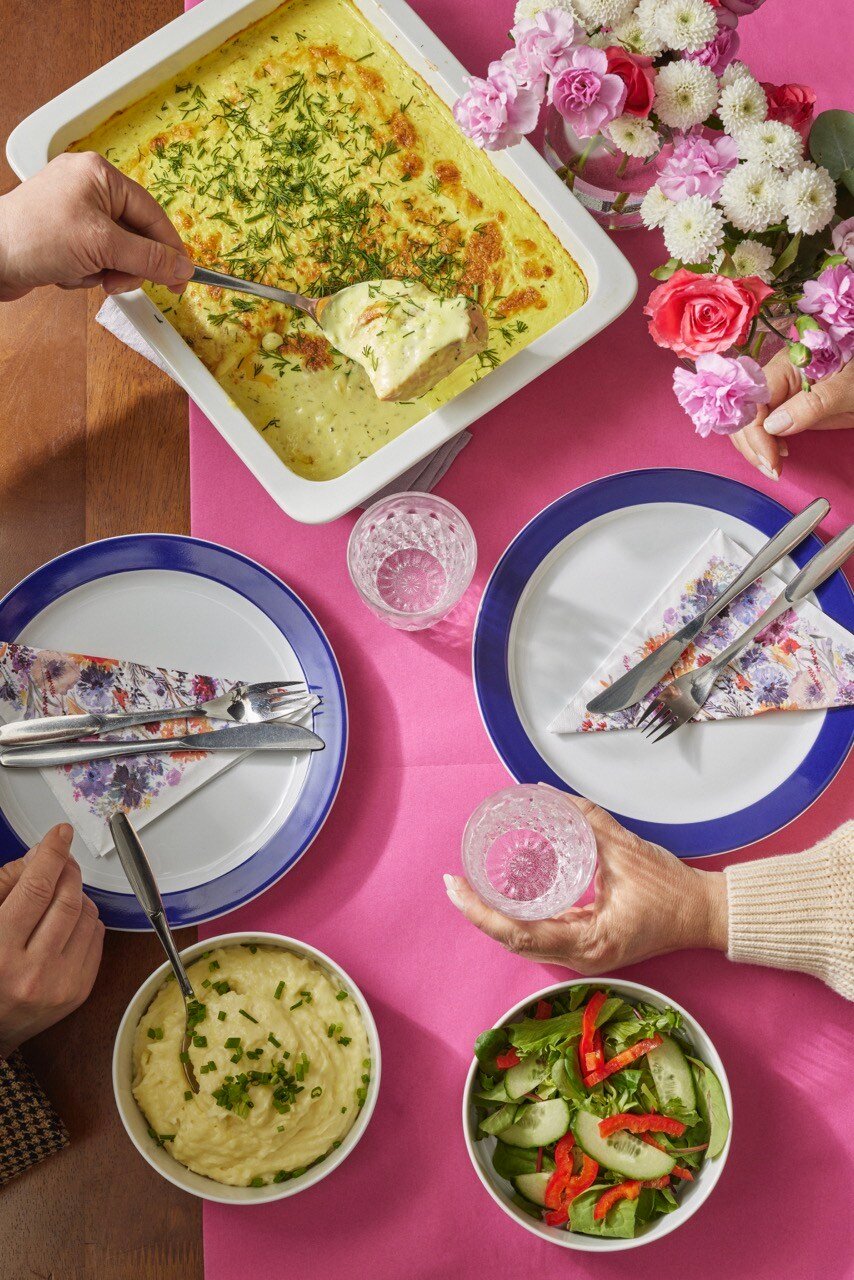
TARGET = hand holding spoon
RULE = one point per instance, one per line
(138, 871)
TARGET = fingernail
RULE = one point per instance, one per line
(452, 889)
(184, 269)
(784, 449)
(779, 420)
(768, 471)
(66, 832)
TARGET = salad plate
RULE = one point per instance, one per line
(180, 602)
(560, 598)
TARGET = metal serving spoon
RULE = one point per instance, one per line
(312, 306)
(138, 871)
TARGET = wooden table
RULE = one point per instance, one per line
(93, 442)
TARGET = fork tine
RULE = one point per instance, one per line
(671, 728)
(660, 715)
(649, 711)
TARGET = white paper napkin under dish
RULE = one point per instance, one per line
(422, 478)
(43, 682)
(803, 661)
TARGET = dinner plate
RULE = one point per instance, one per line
(192, 605)
(570, 584)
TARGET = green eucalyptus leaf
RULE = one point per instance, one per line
(666, 270)
(788, 256)
(832, 142)
(846, 180)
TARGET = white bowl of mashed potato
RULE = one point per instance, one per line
(287, 1057)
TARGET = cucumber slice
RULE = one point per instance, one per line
(711, 1105)
(525, 1076)
(671, 1074)
(499, 1120)
(539, 1125)
(622, 1152)
(533, 1186)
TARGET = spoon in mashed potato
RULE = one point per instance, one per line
(405, 337)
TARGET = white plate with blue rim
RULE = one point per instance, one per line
(568, 587)
(184, 603)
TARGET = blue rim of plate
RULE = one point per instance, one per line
(295, 621)
(516, 568)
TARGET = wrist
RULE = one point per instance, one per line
(709, 922)
(10, 284)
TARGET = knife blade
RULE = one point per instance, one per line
(646, 674)
(268, 736)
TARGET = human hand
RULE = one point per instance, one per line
(50, 939)
(80, 222)
(647, 902)
(828, 405)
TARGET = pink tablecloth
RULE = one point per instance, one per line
(407, 1205)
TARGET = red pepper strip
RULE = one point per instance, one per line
(621, 1060)
(641, 1124)
(539, 1165)
(659, 1146)
(544, 1010)
(658, 1184)
(590, 1044)
(564, 1185)
(508, 1059)
(679, 1171)
(625, 1191)
(563, 1150)
(554, 1217)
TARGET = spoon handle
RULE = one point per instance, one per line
(138, 871)
(202, 275)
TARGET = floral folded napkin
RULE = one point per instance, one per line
(43, 682)
(804, 661)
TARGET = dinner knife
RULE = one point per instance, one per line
(646, 674)
(249, 737)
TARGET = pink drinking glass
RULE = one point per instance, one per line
(411, 558)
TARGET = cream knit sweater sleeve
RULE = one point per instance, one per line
(797, 911)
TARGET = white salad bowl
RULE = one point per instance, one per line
(690, 1197)
(137, 1126)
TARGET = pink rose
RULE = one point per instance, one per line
(827, 357)
(638, 76)
(719, 52)
(697, 166)
(791, 104)
(693, 314)
(585, 94)
(843, 239)
(541, 48)
(741, 7)
(722, 393)
(496, 112)
(830, 299)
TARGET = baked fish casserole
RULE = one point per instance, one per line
(306, 154)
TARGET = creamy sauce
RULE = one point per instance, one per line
(406, 338)
(305, 153)
(277, 1090)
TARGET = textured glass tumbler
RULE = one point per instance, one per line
(411, 558)
(529, 852)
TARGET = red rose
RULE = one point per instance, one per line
(638, 77)
(791, 104)
(692, 314)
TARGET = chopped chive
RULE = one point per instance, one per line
(317, 1091)
(220, 987)
(248, 1015)
(222, 1015)
(343, 1111)
(342, 995)
(214, 964)
(184, 1056)
(207, 982)
(155, 1033)
(188, 1095)
(277, 994)
(233, 1042)
(201, 1042)
(298, 1005)
(345, 1040)
(274, 1041)
(257, 1182)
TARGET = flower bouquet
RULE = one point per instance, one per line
(621, 78)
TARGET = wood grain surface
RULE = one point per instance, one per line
(93, 442)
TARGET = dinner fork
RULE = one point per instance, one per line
(679, 701)
(244, 704)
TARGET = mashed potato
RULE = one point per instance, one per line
(281, 1056)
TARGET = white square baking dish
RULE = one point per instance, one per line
(610, 279)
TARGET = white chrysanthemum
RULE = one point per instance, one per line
(685, 94)
(603, 13)
(655, 207)
(527, 10)
(634, 137)
(686, 24)
(735, 71)
(693, 229)
(809, 200)
(638, 38)
(742, 104)
(752, 196)
(771, 142)
(750, 258)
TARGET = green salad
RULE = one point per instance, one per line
(600, 1110)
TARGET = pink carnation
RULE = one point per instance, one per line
(719, 52)
(697, 166)
(721, 394)
(741, 7)
(830, 299)
(585, 94)
(498, 111)
(843, 239)
(827, 358)
(542, 46)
